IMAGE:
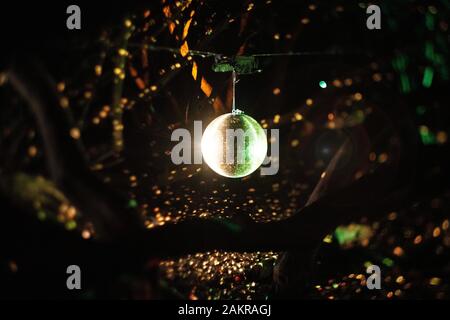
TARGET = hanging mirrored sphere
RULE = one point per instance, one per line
(234, 145)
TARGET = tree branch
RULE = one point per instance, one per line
(67, 166)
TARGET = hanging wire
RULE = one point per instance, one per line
(207, 54)
(234, 111)
(233, 106)
(202, 54)
(304, 53)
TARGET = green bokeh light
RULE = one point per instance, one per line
(323, 84)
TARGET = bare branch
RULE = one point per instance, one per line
(67, 166)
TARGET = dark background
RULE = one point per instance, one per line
(43, 249)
